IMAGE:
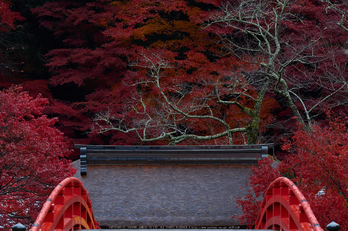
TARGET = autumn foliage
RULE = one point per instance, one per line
(105, 47)
(8, 17)
(187, 72)
(317, 163)
(32, 156)
(114, 35)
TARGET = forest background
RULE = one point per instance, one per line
(137, 72)
(218, 76)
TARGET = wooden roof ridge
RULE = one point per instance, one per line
(172, 155)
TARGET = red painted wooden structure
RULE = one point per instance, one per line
(67, 208)
(283, 208)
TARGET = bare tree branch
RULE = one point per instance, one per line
(261, 25)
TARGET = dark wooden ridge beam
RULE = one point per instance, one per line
(144, 155)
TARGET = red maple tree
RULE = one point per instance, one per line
(118, 36)
(8, 17)
(172, 30)
(8, 47)
(317, 163)
(302, 74)
(32, 156)
(296, 45)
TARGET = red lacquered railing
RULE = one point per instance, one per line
(67, 208)
(285, 208)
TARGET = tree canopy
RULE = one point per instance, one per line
(32, 156)
(235, 72)
(316, 163)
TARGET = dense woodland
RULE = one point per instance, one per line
(186, 72)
